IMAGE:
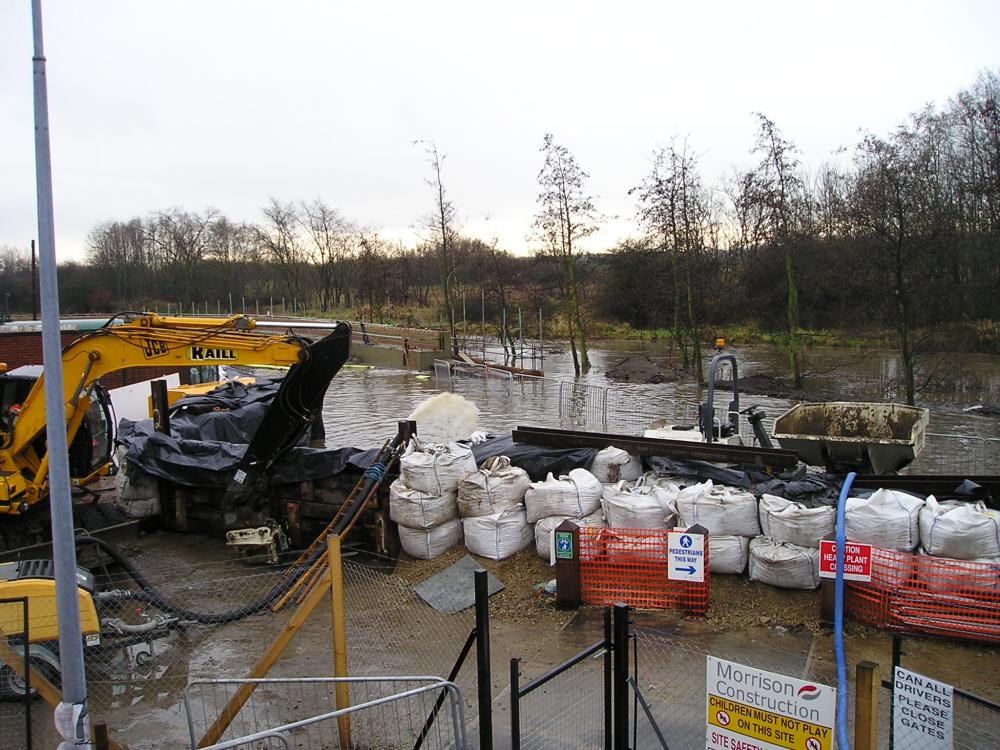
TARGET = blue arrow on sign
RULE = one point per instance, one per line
(689, 570)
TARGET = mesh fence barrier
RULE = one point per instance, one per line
(630, 566)
(567, 711)
(925, 594)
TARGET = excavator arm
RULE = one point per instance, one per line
(149, 340)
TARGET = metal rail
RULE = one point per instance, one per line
(774, 458)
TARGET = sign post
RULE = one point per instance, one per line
(922, 711)
(752, 708)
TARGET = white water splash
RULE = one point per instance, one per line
(444, 417)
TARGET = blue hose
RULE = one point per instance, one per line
(838, 618)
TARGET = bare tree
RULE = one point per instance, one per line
(566, 217)
(333, 243)
(442, 225)
(279, 238)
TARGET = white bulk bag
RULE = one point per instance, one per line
(792, 522)
(613, 465)
(575, 495)
(638, 507)
(888, 520)
(435, 469)
(964, 531)
(545, 532)
(947, 576)
(426, 544)
(420, 510)
(492, 489)
(727, 554)
(722, 510)
(782, 564)
(498, 535)
(671, 483)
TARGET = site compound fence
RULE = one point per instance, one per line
(512, 397)
(923, 594)
(630, 566)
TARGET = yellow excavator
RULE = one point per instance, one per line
(149, 340)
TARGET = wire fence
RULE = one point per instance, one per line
(548, 402)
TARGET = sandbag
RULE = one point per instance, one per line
(420, 510)
(782, 564)
(435, 469)
(426, 544)
(727, 554)
(946, 576)
(545, 532)
(888, 519)
(498, 535)
(639, 507)
(795, 523)
(575, 495)
(722, 510)
(495, 487)
(963, 531)
(613, 465)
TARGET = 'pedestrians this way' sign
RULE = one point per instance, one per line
(685, 556)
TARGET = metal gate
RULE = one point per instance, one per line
(588, 701)
(16, 693)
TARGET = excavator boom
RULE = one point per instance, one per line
(150, 340)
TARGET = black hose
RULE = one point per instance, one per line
(151, 596)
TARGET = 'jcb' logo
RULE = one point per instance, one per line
(205, 353)
(153, 348)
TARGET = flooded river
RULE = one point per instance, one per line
(362, 406)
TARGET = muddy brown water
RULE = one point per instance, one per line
(362, 406)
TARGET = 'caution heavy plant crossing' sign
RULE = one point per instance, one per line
(750, 709)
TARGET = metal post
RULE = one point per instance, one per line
(515, 705)
(230, 303)
(607, 678)
(483, 331)
(243, 300)
(74, 679)
(897, 655)
(270, 309)
(620, 688)
(483, 672)
(256, 308)
(34, 282)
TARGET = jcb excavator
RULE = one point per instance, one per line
(149, 340)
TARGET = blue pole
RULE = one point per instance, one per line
(838, 617)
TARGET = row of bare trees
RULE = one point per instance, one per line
(903, 232)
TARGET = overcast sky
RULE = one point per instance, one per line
(167, 103)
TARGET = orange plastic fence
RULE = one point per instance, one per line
(924, 594)
(630, 566)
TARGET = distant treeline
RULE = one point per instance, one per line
(903, 232)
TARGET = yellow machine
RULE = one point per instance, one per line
(142, 340)
(33, 580)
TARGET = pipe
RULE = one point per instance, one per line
(838, 617)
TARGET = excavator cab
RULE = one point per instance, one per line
(92, 446)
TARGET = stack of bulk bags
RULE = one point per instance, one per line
(969, 534)
(498, 535)
(576, 496)
(639, 507)
(888, 520)
(729, 514)
(782, 564)
(545, 532)
(613, 465)
(495, 487)
(424, 500)
(490, 501)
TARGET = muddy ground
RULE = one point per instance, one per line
(391, 631)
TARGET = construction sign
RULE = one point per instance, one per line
(751, 709)
(857, 561)
(685, 556)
